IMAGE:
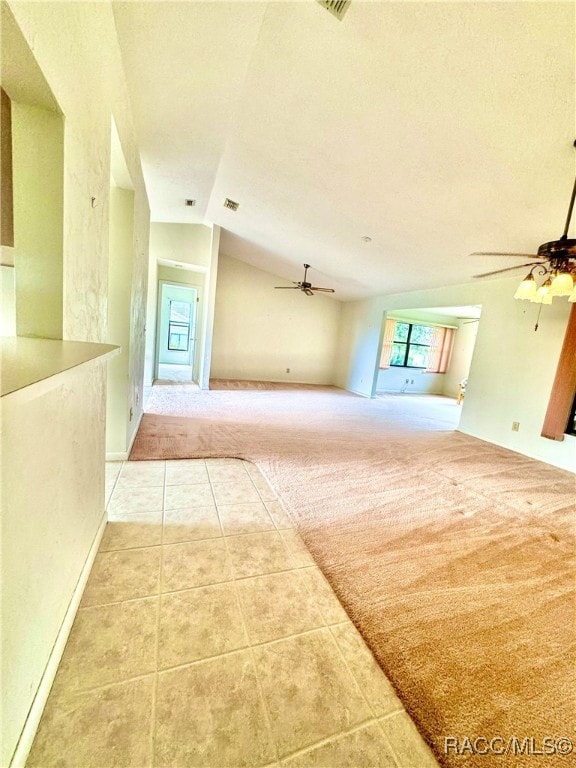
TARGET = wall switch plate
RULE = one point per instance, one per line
(515, 426)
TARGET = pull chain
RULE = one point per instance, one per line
(538, 318)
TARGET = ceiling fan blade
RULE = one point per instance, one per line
(305, 286)
(494, 253)
(325, 290)
(290, 287)
(508, 269)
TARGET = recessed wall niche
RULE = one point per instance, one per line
(36, 145)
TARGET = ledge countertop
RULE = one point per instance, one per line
(26, 361)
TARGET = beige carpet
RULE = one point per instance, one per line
(455, 558)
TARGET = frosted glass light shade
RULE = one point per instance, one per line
(562, 285)
(572, 296)
(543, 295)
(542, 298)
(527, 289)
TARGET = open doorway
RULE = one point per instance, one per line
(176, 358)
(427, 353)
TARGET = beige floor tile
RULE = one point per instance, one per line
(186, 472)
(277, 606)
(112, 470)
(210, 714)
(195, 564)
(123, 575)
(244, 518)
(236, 492)
(199, 623)
(107, 644)
(309, 692)
(108, 727)
(372, 681)
(363, 748)
(126, 500)
(225, 470)
(407, 744)
(279, 515)
(190, 524)
(190, 495)
(142, 529)
(298, 550)
(329, 605)
(251, 468)
(111, 475)
(257, 554)
(142, 474)
(267, 493)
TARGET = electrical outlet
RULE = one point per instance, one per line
(411, 381)
(287, 370)
(407, 381)
(515, 426)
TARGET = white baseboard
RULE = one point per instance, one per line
(41, 697)
(357, 392)
(123, 455)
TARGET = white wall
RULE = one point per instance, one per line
(461, 358)
(210, 308)
(59, 440)
(259, 332)
(119, 305)
(512, 368)
(52, 506)
(189, 244)
(7, 301)
(393, 379)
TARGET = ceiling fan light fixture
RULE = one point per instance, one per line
(562, 284)
(527, 288)
(543, 295)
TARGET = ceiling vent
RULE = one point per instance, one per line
(336, 7)
(190, 203)
(230, 204)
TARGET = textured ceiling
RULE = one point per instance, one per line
(436, 129)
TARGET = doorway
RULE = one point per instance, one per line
(177, 340)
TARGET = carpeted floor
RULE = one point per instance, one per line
(455, 558)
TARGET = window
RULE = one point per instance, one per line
(179, 326)
(411, 345)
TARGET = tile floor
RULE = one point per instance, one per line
(207, 637)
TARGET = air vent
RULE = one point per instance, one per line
(230, 204)
(336, 7)
(190, 203)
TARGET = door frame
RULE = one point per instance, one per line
(195, 358)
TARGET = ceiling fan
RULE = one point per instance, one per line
(553, 259)
(305, 286)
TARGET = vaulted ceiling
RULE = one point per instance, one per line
(436, 129)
